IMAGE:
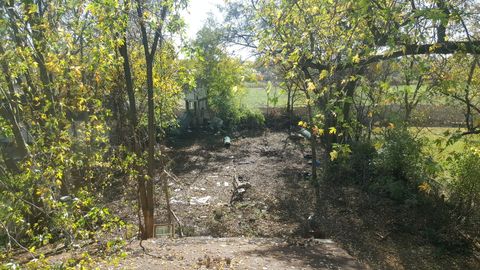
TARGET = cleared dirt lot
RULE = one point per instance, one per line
(238, 253)
(372, 228)
(272, 164)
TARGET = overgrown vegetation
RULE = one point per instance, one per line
(224, 77)
(88, 88)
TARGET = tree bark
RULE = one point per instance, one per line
(313, 148)
(147, 196)
(133, 118)
(7, 110)
(447, 47)
(123, 49)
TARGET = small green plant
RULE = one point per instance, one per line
(401, 156)
(465, 185)
(401, 168)
(251, 119)
(361, 160)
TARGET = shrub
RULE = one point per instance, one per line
(251, 119)
(351, 163)
(361, 160)
(401, 168)
(401, 157)
(391, 187)
(465, 185)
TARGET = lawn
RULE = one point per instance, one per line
(442, 151)
(256, 96)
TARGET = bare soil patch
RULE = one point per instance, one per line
(238, 253)
(374, 229)
(264, 229)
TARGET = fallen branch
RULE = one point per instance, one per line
(382, 237)
(467, 237)
(239, 187)
(180, 225)
(10, 237)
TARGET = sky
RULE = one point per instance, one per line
(197, 13)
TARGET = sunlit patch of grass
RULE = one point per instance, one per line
(256, 97)
(440, 143)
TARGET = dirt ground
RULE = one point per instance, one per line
(270, 162)
(238, 253)
(267, 226)
(375, 230)
(260, 230)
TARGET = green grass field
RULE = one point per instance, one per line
(256, 96)
(443, 150)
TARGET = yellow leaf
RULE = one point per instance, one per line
(33, 8)
(356, 59)
(434, 47)
(424, 187)
(378, 145)
(333, 155)
(311, 86)
(377, 130)
(323, 74)
(332, 130)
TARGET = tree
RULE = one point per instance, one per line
(457, 78)
(61, 87)
(219, 73)
(160, 18)
(341, 39)
(54, 77)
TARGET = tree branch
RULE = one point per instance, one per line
(448, 47)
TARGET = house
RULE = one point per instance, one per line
(196, 105)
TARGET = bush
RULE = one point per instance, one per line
(401, 167)
(251, 119)
(352, 163)
(465, 186)
(361, 161)
(401, 157)
(391, 187)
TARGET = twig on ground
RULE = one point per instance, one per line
(180, 225)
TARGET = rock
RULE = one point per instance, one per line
(201, 201)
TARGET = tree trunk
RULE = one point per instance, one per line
(131, 96)
(8, 112)
(135, 147)
(148, 214)
(347, 105)
(313, 148)
(289, 113)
